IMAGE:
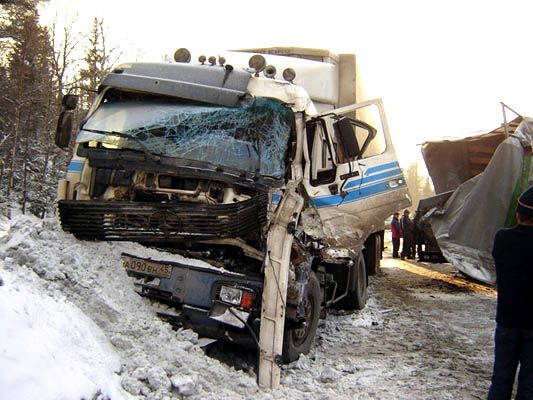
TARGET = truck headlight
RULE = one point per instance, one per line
(231, 295)
(238, 297)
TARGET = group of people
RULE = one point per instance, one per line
(403, 228)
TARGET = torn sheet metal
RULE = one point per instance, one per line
(452, 162)
(466, 226)
(276, 271)
(294, 95)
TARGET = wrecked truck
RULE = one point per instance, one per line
(271, 193)
(477, 180)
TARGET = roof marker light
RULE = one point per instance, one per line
(289, 74)
(270, 71)
(202, 59)
(258, 63)
(221, 60)
(182, 55)
(212, 60)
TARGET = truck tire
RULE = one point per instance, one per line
(374, 254)
(357, 287)
(299, 341)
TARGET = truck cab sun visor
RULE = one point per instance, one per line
(208, 84)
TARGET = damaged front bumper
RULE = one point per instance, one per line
(215, 302)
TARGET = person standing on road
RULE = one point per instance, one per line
(514, 316)
(396, 231)
(407, 227)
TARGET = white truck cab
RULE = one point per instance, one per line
(270, 194)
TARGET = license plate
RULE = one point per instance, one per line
(146, 267)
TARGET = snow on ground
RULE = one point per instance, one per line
(71, 325)
(44, 339)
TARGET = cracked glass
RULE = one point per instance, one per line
(252, 136)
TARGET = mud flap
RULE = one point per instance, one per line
(276, 271)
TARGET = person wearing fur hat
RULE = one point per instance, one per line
(512, 252)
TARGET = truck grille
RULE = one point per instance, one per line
(161, 222)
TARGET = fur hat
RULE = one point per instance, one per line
(525, 203)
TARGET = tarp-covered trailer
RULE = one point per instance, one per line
(477, 181)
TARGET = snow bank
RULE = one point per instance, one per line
(73, 326)
(49, 349)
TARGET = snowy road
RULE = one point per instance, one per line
(425, 334)
(420, 337)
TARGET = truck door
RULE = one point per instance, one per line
(351, 174)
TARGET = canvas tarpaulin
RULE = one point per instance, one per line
(466, 225)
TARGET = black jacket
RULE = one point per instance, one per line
(512, 252)
(407, 227)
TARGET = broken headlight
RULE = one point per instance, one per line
(235, 296)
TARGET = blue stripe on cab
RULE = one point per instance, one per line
(382, 167)
(355, 195)
(373, 178)
(75, 166)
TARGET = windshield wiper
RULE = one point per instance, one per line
(144, 149)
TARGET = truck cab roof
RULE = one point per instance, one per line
(213, 84)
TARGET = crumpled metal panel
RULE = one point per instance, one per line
(466, 226)
(452, 162)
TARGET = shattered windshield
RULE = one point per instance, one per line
(252, 136)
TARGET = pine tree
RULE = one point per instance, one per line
(419, 184)
(97, 62)
(27, 94)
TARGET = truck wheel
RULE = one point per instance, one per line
(299, 341)
(374, 254)
(357, 287)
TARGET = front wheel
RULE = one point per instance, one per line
(299, 340)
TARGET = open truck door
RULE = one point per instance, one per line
(351, 174)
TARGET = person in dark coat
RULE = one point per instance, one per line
(514, 316)
(407, 231)
(396, 232)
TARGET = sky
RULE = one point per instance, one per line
(441, 67)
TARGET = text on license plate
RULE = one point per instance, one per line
(146, 267)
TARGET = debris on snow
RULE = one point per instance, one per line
(157, 379)
(184, 384)
(132, 385)
(329, 375)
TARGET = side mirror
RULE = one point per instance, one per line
(64, 129)
(345, 128)
(69, 102)
(346, 133)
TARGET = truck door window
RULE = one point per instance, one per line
(371, 116)
(323, 168)
(359, 138)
